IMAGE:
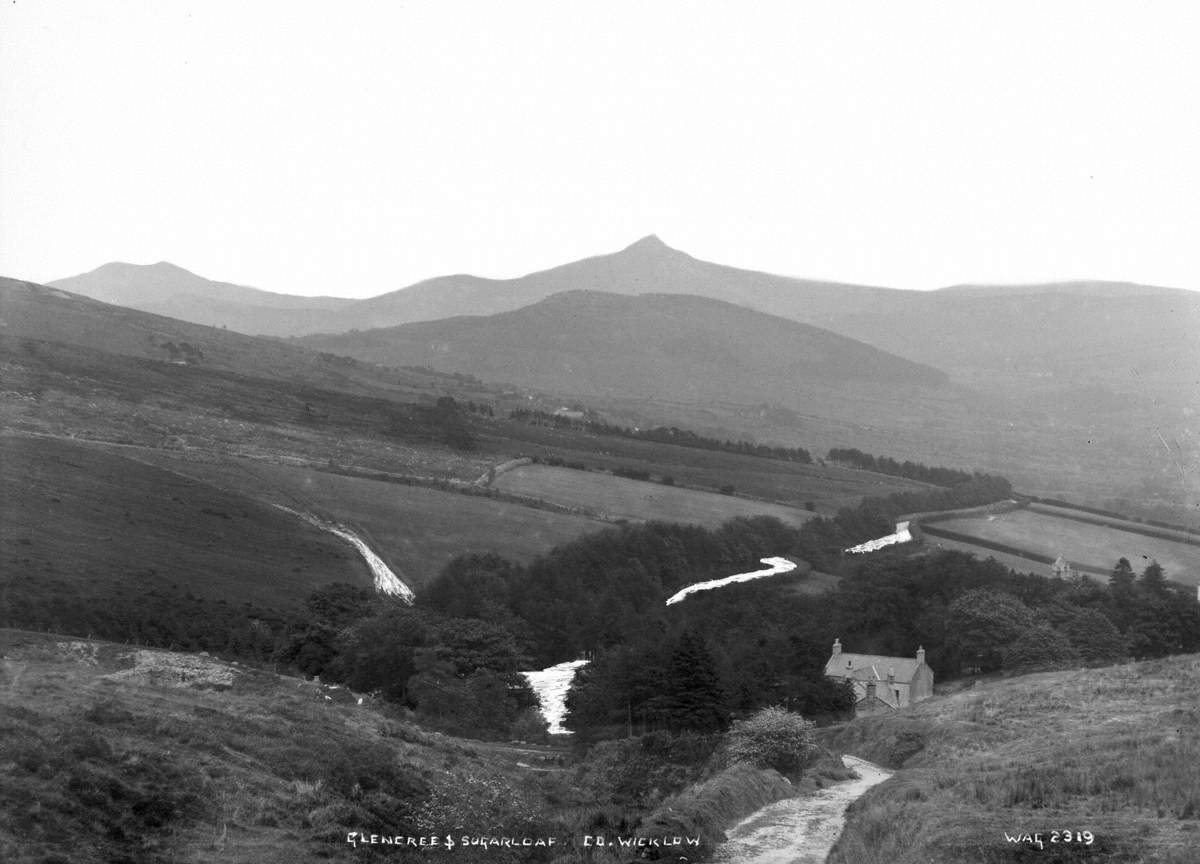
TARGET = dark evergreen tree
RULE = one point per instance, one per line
(1153, 581)
(694, 700)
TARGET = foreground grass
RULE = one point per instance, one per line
(105, 760)
(1111, 751)
(120, 754)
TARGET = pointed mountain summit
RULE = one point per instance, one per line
(649, 243)
(660, 346)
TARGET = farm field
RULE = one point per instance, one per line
(1124, 524)
(828, 487)
(1096, 546)
(92, 519)
(415, 530)
(1013, 562)
(637, 499)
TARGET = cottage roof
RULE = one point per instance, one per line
(872, 667)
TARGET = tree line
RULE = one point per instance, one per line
(661, 435)
(936, 475)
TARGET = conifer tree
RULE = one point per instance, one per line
(695, 700)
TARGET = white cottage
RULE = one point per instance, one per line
(880, 681)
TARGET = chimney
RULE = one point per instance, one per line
(837, 647)
(921, 654)
(870, 689)
(891, 677)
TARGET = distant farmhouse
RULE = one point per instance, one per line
(882, 683)
(1061, 568)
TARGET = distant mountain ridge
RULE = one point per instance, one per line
(1081, 333)
(166, 289)
(653, 345)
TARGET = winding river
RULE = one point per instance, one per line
(775, 566)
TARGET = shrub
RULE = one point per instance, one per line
(773, 738)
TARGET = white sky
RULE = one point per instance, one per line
(353, 148)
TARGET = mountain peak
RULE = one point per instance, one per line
(649, 243)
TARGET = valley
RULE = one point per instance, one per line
(324, 564)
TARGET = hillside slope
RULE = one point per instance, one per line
(1109, 751)
(653, 346)
(29, 311)
(166, 289)
(114, 753)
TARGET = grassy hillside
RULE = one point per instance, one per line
(108, 753)
(655, 345)
(166, 289)
(1110, 751)
(94, 520)
(416, 530)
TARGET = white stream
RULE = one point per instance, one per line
(799, 830)
(900, 535)
(551, 686)
(386, 581)
(776, 565)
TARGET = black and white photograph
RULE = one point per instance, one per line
(599, 432)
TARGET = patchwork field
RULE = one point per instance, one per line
(827, 487)
(637, 499)
(1092, 545)
(414, 529)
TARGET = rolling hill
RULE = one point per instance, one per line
(29, 311)
(647, 266)
(166, 289)
(651, 346)
(1069, 334)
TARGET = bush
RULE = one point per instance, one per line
(773, 738)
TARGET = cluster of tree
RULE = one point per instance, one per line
(184, 351)
(602, 589)
(886, 465)
(726, 653)
(559, 462)
(481, 408)
(597, 591)
(459, 674)
(662, 435)
(447, 417)
(979, 616)
(631, 473)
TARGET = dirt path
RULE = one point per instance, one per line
(799, 830)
